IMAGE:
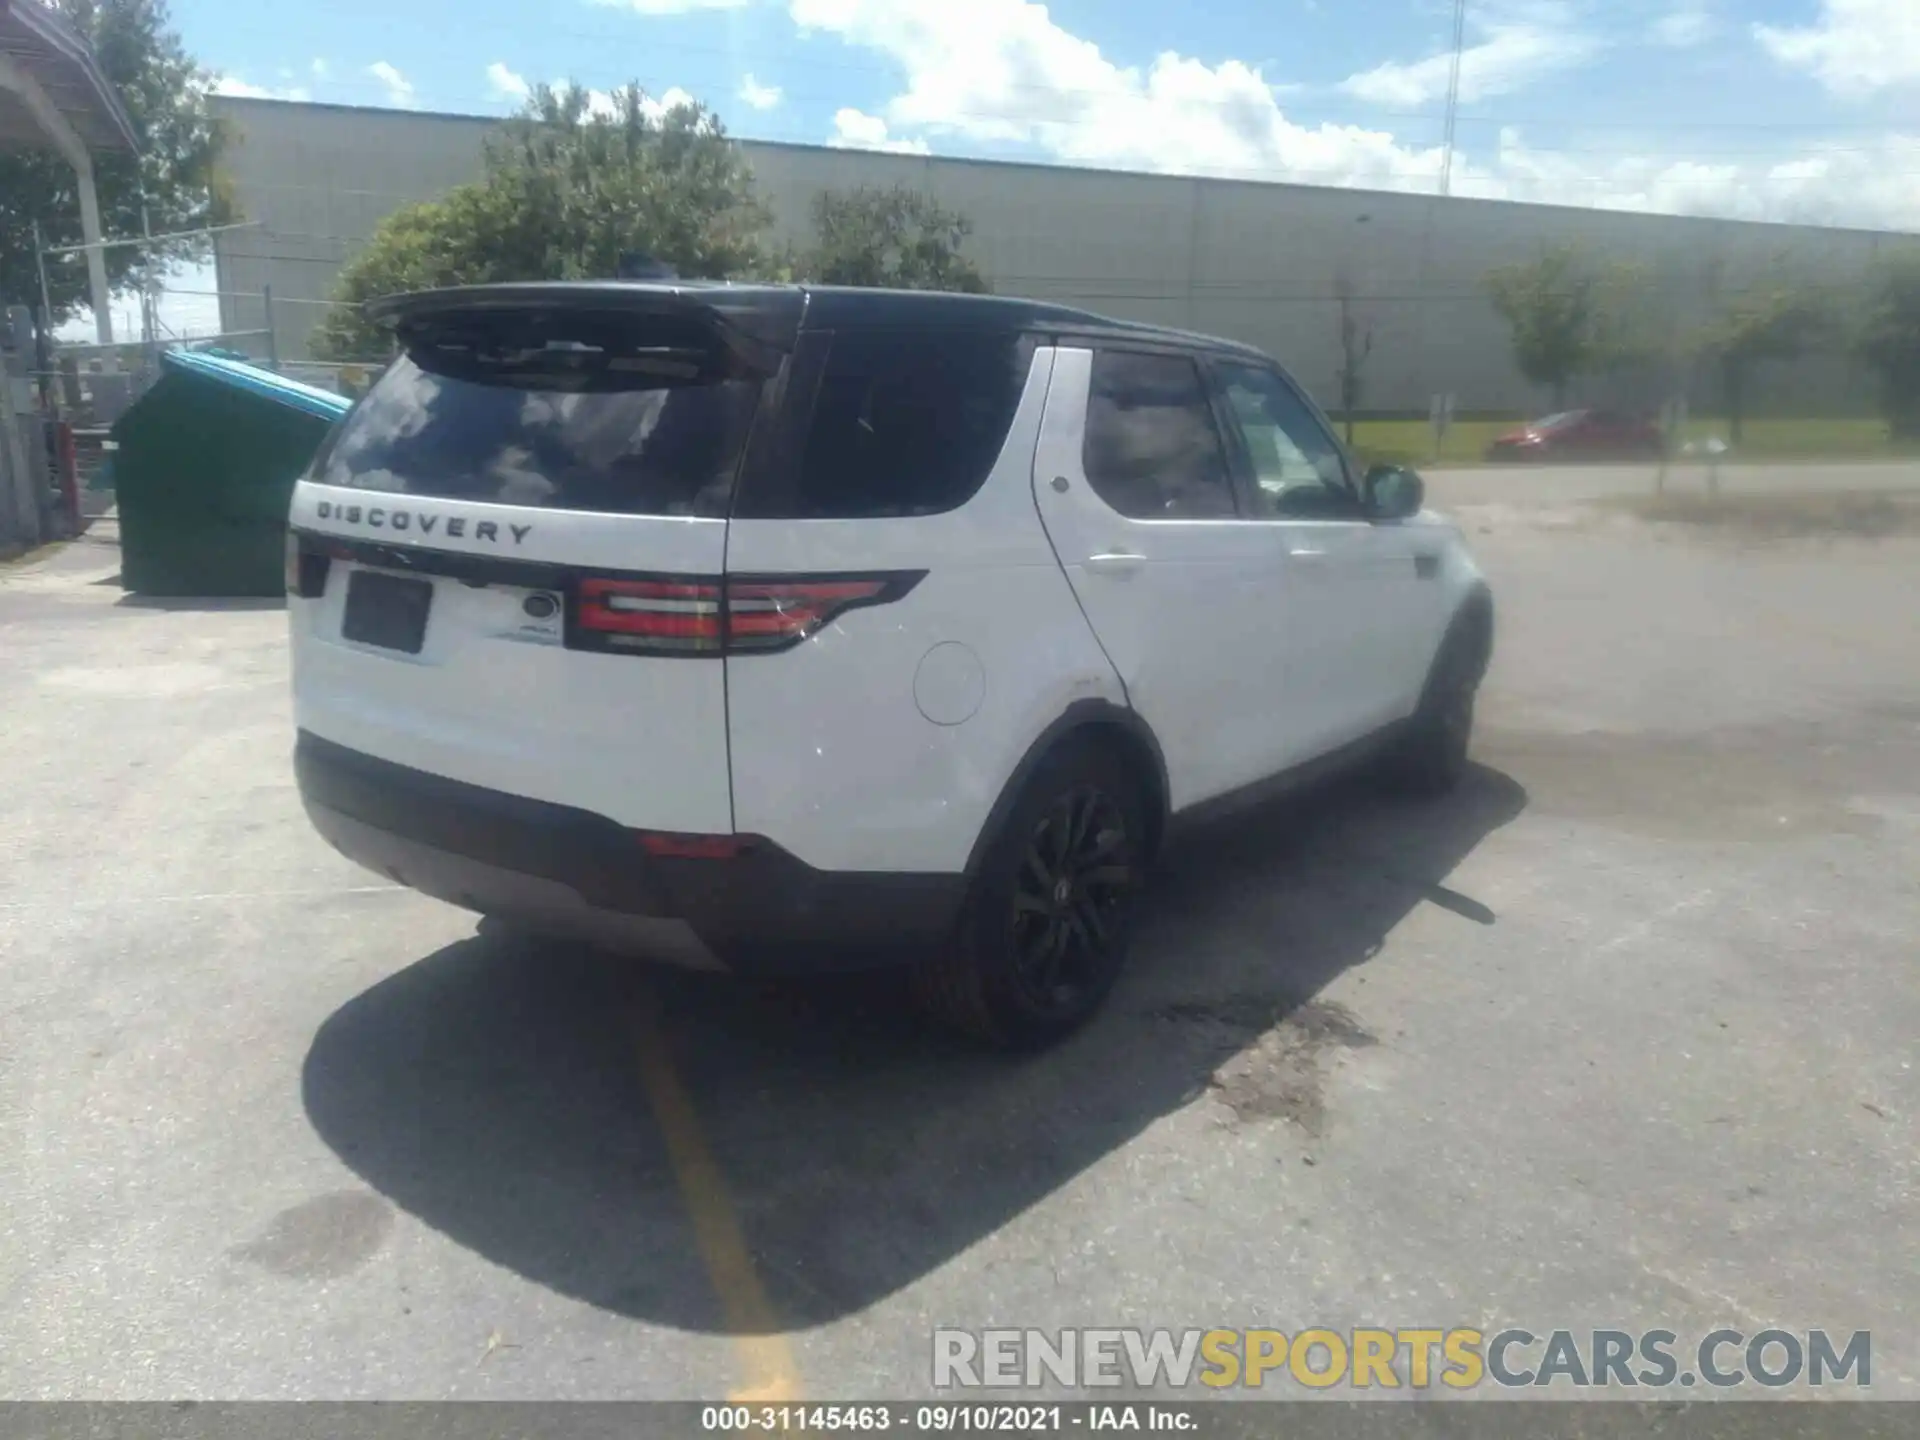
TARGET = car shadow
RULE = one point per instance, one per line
(496, 1090)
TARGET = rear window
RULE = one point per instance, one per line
(902, 423)
(548, 435)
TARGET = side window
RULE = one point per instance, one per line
(905, 423)
(1153, 451)
(1297, 468)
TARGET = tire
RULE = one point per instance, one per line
(1432, 758)
(1044, 932)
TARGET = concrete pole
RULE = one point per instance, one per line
(96, 253)
(54, 125)
(17, 474)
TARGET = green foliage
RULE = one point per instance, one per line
(1779, 320)
(164, 94)
(567, 190)
(1890, 340)
(1568, 315)
(896, 238)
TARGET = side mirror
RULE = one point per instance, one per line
(1392, 492)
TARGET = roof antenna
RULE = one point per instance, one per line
(638, 265)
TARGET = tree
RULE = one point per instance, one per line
(1769, 322)
(896, 238)
(165, 96)
(1356, 344)
(1566, 314)
(569, 187)
(1890, 340)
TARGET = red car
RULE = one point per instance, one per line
(1581, 435)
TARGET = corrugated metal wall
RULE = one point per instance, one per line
(1257, 262)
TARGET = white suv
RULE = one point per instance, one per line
(765, 628)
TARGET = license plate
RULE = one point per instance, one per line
(387, 610)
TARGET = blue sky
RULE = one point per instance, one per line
(1794, 109)
(1804, 110)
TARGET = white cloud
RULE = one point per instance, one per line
(602, 104)
(757, 96)
(1844, 182)
(1522, 46)
(234, 85)
(503, 84)
(856, 130)
(655, 107)
(1003, 71)
(1690, 25)
(321, 70)
(399, 88)
(1855, 45)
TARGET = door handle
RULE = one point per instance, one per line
(1115, 563)
(1306, 554)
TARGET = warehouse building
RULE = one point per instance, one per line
(1260, 262)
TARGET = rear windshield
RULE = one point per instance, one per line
(646, 448)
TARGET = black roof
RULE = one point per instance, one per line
(764, 310)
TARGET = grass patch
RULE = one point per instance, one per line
(1410, 442)
(1807, 439)
(1857, 513)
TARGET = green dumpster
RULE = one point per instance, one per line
(203, 472)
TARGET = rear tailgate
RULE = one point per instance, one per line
(502, 561)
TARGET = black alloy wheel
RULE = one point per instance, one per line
(1074, 879)
(1044, 934)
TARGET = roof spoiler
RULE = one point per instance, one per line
(758, 326)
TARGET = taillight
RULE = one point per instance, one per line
(306, 569)
(680, 617)
(694, 847)
(753, 615)
(773, 614)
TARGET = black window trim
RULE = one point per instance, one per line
(1199, 359)
(765, 491)
(1246, 483)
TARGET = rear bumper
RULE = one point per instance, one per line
(557, 868)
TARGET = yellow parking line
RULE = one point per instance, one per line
(766, 1360)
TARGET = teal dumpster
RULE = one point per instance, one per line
(203, 471)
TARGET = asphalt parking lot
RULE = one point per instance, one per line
(1622, 1035)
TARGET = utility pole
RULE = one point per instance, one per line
(40, 264)
(44, 345)
(146, 279)
(1453, 94)
(149, 304)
